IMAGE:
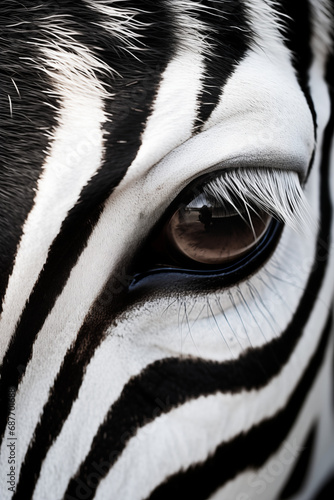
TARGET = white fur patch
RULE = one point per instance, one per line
(266, 23)
(122, 23)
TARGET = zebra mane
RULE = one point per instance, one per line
(277, 192)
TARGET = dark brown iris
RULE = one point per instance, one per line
(214, 236)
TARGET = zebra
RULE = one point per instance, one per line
(166, 249)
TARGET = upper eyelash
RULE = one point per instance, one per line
(277, 192)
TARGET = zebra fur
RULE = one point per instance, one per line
(136, 382)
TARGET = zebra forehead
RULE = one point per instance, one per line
(128, 69)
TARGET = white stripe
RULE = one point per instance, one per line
(122, 24)
(175, 107)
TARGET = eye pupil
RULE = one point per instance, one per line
(215, 235)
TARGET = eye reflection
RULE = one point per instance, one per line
(214, 235)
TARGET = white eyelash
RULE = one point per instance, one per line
(277, 192)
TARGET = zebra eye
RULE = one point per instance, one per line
(208, 228)
(213, 234)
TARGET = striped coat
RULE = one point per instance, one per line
(166, 255)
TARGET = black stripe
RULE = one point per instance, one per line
(173, 381)
(327, 491)
(130, 109)
(230, 36)
(297, 36)
(299, 474)
(22, 142)
(62, 396)
(245, 450)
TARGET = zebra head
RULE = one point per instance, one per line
(166, 258)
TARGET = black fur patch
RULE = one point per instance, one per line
(27, 114)
(298, 476)
(297, 18)
(327, 491)
(228, 46)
